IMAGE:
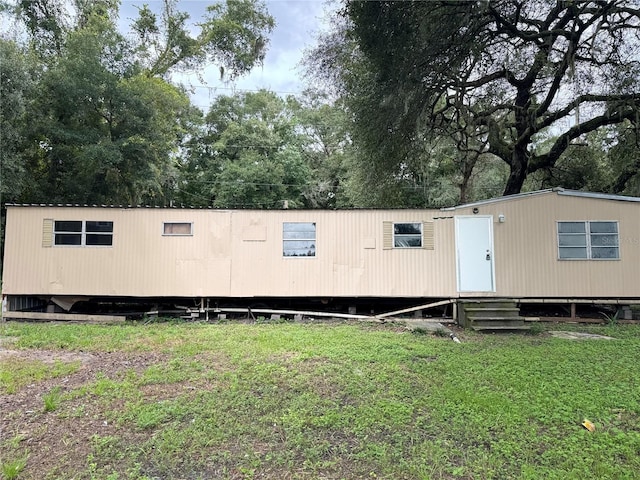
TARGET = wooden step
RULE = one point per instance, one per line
(509, 319)
(493, 312)
(488, 304)
(500, 327)
(492, 309)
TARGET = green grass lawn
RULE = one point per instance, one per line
(316, 401)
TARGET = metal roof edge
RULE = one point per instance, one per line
(218, 209)
(505, 198)
(517, 196)
(557, 190)
(601, 196)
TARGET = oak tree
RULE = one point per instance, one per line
(495, 76)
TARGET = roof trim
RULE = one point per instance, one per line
(517, 196)
(602, 196)
(504, 199)
(556, 190)
(216, 209)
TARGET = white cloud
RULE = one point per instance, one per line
(297, 24)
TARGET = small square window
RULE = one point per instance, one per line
(298, 239)
(407, 235)
(177, 228)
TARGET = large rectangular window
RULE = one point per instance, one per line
(82, 233)
(407, 235)
(588, 241)
(299, 239)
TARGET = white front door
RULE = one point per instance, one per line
(474, 253)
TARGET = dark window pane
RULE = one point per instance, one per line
(604, 240)
(603, 227)
(68, 239)
(571, 227)
(68, 226)
(407, 241)
(407, 228)
(99, 226)
(604, 252)
(572, 252)
(98, 239)
(567, 240)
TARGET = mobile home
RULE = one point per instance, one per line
(551, 245)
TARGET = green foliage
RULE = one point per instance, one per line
(15, 89)
(487, 76)
(52, 400)
(326, 148)
(248, 156)
(105, 133)
(12, 468)
(233, 34)
(105, 125)
(624, 156)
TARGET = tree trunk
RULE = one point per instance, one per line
(517, 173)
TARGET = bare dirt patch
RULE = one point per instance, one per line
(578, 335)
(60, 441)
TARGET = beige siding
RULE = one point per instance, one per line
(231, 253)
(526, 248)
(240, 253)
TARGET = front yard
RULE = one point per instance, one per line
(315, 401)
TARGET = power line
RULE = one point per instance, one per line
(235, 89)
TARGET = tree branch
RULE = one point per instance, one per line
(557, 115)
(611, 117)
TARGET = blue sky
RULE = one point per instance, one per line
(297, 24)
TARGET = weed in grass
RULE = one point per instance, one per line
(611, 320)
(420, 331)
(535, 328)
(441, 332)
(15, 373)
(52, 399)
(12, 468)
(14, 442)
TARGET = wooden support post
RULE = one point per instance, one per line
(573, 311)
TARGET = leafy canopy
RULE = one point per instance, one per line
(495, 76)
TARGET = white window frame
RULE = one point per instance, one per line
(83, 233)
(310, 240)
(587, 235)
(400, 236)
(165, 234)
